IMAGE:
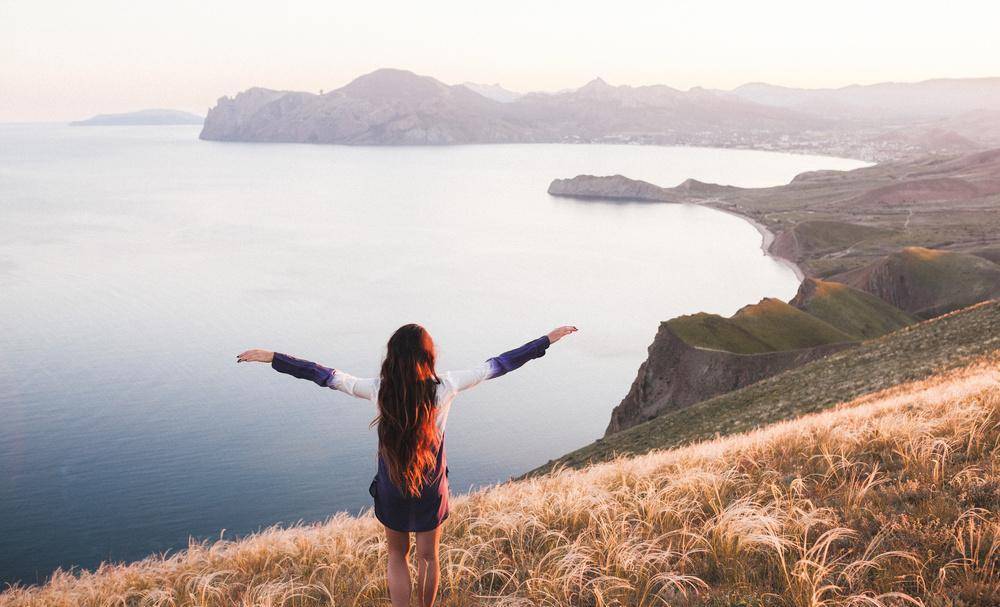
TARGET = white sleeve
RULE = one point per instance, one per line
(360, 387)
(468, 378)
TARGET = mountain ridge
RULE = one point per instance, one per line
(384, 108)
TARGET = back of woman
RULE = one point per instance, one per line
(410, 487)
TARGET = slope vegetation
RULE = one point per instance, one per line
(768, 326)
(856, 313)
(888, 500)
(926, 282)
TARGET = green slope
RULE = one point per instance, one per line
(768, 326)
(909, 354)
(859, 314)
(928, 282)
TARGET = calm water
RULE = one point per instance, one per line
(136, 262)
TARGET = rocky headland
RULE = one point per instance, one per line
(612, 187)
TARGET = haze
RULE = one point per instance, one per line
(67, 60)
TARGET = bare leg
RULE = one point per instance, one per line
(398, 574)
(428, 573)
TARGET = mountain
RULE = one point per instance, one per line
(894, 100)
(384, 107)
(391, 106)
(927, 282)
(493, 91)
(397, 107)
(141, 117)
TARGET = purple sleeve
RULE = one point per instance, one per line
(303, 369)
(512, 359)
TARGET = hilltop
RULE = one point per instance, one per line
(911, 353)
(886, 500)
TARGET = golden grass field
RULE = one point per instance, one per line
(890, 499)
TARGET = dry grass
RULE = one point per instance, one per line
(887, 500)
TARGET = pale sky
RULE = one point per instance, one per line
(71, 59)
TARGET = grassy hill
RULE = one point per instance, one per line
(908, 354)
(859, 314)
(887, 500)
(768, 326)
(926, 282)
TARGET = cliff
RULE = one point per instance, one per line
(676, 375)
(696, 357)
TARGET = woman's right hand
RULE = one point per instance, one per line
(558, 333)
(256, 356)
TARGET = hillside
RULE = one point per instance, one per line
(925, 282)
(887, 500)
(768, 326)
(912, 353)
(856, 313)
(698, 356)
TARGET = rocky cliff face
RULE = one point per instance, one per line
(698, 356)
(613, 187)
(676, 375)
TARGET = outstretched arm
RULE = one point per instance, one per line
(508, 361)
(326, 377)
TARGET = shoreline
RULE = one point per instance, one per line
(767, 239)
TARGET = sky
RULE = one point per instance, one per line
(72, 59)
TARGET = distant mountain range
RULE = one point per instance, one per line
(142, 118)
(931, 99)
(397, 107)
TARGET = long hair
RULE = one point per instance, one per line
(407, 407)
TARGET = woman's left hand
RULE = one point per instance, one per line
(560, 332)
(255, 356)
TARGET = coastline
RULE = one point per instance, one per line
(767, 239)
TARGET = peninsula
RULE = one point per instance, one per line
(142, 118)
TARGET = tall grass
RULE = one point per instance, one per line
(887, 500)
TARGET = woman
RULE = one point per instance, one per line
(410, 489)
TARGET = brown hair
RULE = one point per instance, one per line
(407, 408)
